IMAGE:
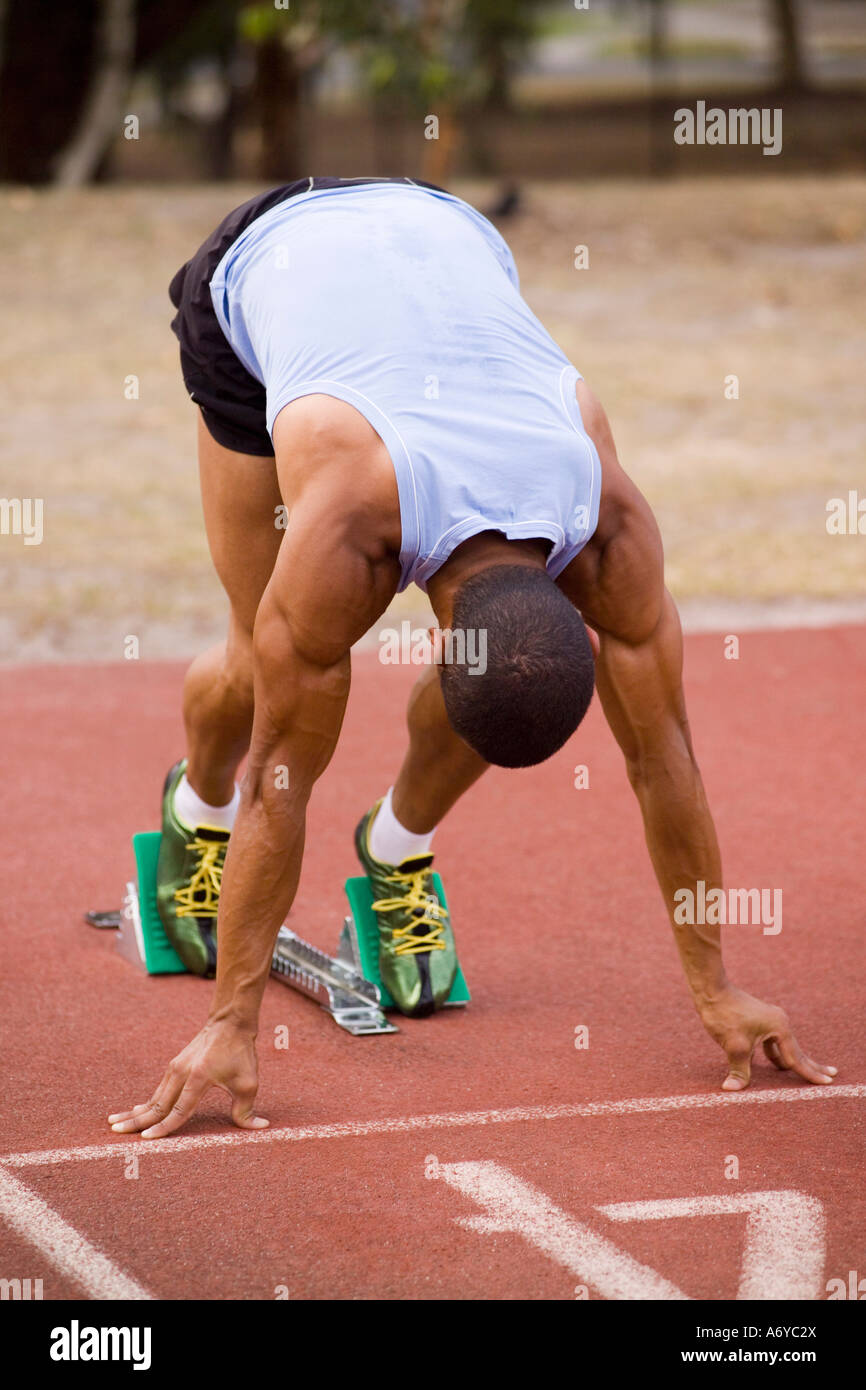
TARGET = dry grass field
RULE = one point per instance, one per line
(688, 284)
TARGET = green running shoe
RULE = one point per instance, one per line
(188, 877)
(417, 955)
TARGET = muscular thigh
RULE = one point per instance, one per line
(240, 495)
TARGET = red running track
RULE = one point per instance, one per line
(468, 1155)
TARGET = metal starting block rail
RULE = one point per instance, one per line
(347, 986)
(334, 982)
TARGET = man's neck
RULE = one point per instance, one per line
(475, 554)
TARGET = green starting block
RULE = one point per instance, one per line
(141, 937)
(160, 957)
(348, 985)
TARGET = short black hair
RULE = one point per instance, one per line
(539, 675)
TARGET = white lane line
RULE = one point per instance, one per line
(60, 1243)
(783, 1257)
(514, 1205)
(468, 1119)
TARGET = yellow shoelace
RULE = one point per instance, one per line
(206, 880)
(432, 915)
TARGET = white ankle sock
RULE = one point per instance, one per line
(389, 841)
(192, 811)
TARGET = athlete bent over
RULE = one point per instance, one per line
(365, 366)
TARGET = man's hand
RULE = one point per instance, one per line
(223, 1055)
(738, 1023)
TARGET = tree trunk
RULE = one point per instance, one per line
(278, 85)
(497, 97)
(100, 120)
(219, 133)
(439, 19)
(792, 72)
(658, 35)
(440, 155)
(661, 148)
(45, 66)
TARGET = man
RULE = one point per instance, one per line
(365, 366)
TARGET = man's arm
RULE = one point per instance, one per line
(617, 582)
(324, 594)
(640, 685)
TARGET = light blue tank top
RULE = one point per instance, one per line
(406, 303)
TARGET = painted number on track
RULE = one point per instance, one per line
(783, 1251)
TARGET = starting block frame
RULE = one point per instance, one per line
(347, 986)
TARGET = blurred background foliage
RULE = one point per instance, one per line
(272, 89)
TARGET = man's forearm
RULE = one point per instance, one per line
(684, 850)
(300, 705)
(260, 879)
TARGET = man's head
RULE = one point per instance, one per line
(520, 703)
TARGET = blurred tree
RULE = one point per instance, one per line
(64, 69)
(658, 34)
(47, 50)
(210, 36)
(660, 146)
(400, 45)
(52, 69)
(405, 49)
(441, 70)
(100, 118)
(499, 32)
(288, 45)
(445, 59)
(785, 16)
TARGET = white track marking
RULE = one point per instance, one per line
(60, 1243)
(783, 1256)
(515, 1206)
(468, 1119)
